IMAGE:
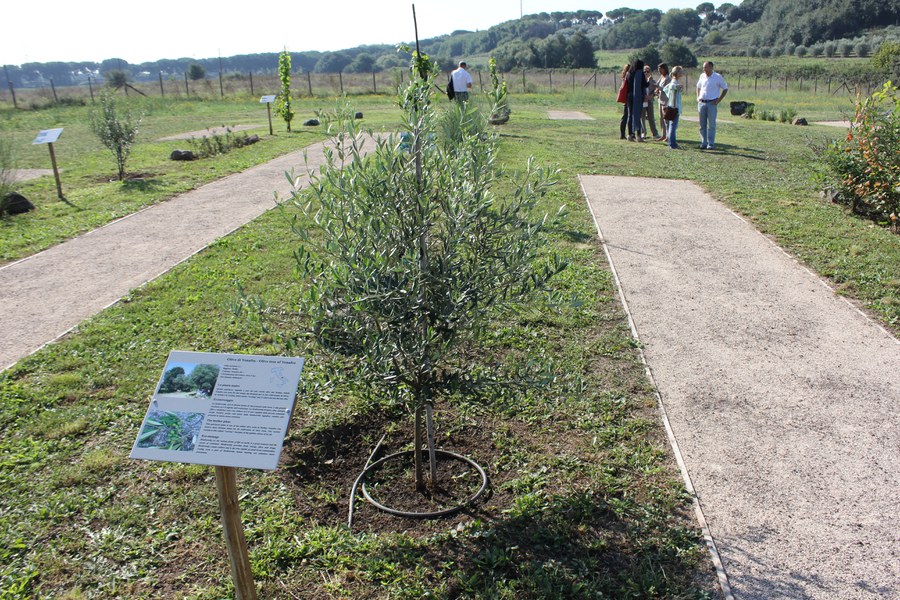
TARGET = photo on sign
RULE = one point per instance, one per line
(188, 381)
(169, 430)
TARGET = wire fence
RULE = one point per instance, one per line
(534, 81)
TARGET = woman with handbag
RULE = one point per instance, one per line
(672, 111)
(625, 98)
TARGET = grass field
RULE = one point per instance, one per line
(587, 501)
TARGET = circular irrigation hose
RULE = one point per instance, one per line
(422, 515)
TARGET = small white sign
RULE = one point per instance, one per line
(267, 99)
(227, 410)
(48, 136)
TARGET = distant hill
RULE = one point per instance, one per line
(544, 40)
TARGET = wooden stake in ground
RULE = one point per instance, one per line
(238, 556)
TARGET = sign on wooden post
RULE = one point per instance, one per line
(225, 410)
(48, 136)
(268, 100)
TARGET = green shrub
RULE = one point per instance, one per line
(116, 128)
(864, 168)
(283, 106)
(7, 172)
(405, 254)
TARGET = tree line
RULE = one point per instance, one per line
(543, 40)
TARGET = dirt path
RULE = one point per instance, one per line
(202, 133)
(568, 115)
(47, 294)
(781, 395)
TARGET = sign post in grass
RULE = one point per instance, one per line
(228, 411)
(48, 136)
(268, 100)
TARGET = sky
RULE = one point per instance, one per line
(94, 30)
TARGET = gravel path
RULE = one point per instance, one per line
(568, 115)
(782, 396)
(47, 294)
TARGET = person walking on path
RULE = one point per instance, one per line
(638, 98)
(673, 99)
(625, 98)
(462, 83)
(664, 80)
(711, 89)
(649, 101)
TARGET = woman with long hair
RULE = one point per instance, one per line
(638, 97)
(626, 115)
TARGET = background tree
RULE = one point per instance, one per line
(580, 52)
(196, 72)
(649, 55)
(680, 23)
(332, 62)
(116, 128)
(678, 53)
(116, 79)
(283, 106)
(887, 60)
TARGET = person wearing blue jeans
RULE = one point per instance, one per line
(673, 99)
(638, 98)
(711, 89)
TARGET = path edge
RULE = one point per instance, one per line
(724, 585)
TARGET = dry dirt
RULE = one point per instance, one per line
(782, 396)
(568, 115)
(209, 132)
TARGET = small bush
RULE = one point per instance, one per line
(765, 52)
(862, 49)
(216, 144)
(844, 49)
(7, 168)
(801, 51)
(816, 50)
(863, 169)
(116, 128)
(830, 48)
(786, 115)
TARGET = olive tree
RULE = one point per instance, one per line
(405, 253)
(116, 128)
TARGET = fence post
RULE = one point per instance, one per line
(341, 80)
(785, 82)
(524, 87)
(251, 83)
(53, 89)
(755, 81)
(816, 85)
(739, 82)
(480, 82)
(595, 81)
(573, 80)
(551, 81)
(12, 90)
(801, 84)
(91, 89)
(162, 92)
(187, 92)
(374, 84)
(829, 85)
(309, 82)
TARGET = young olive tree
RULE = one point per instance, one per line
(116, 128)
(498, 96)
(283, 103)
(406, 253)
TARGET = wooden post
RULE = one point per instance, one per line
(739, 82)
(801, 84)
(341, 79)
(187, 92)
(551, 81)
(251, 89)
(56, 173)
(221, 86)
(269, 112)
(573, 80)
(9, 84)
(480, 82)
(238, 556)
(53, 89)
(374, 84)
(816, 85)
(755, 81)
(524, 87)
(309, 82)
(162, 92)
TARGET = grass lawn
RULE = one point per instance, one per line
(586, 499)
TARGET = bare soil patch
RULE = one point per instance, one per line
(845, 124)
(568, 115)
(208, 132)
(28, 174)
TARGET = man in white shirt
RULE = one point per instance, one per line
(462, 83)
(711, 89)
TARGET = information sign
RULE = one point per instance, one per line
(267, 99)
(47, 136)
(227, 410)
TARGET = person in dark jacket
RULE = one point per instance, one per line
(638, 97)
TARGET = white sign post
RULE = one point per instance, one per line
(48, 136)
(225, 410)
(268, 100)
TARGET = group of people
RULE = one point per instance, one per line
(640, 93)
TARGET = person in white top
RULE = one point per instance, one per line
(462, 83)
(711, 89)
